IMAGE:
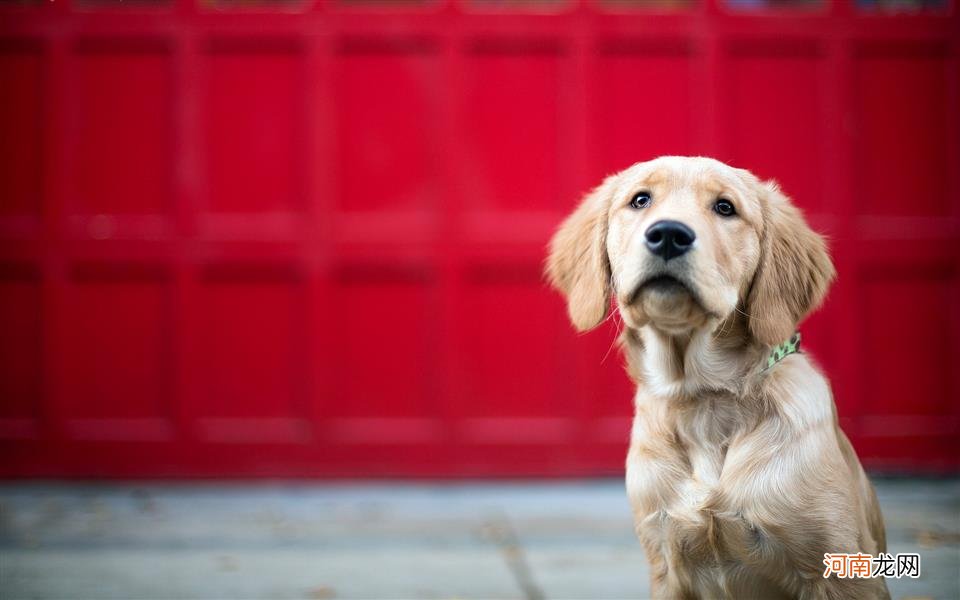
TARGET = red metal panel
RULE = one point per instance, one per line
(640, 101)
(21, 71)
(20, 353)
(248, 366)
(512, 138)
(387, 102)
(773, 115)
(252, 118)
(397, 310)
(526, 324)
(122, 114)
(924, 391)
(302, 239)
(114, 355)
(902, 111)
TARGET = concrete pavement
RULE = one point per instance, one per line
(289, 540)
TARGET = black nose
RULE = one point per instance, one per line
(668, 239)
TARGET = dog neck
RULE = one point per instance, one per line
(716, 358)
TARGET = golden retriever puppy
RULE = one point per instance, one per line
(739, 477)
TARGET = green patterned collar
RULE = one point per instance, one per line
(778, 353)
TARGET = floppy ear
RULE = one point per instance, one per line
(794, 271)
(577, 265)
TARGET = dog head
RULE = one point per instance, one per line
(681, 243)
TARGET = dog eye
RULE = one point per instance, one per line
(640, 200)
(724, 208)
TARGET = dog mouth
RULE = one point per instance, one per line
(664, 284)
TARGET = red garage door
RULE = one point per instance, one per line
(292, 239)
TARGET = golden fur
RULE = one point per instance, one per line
(739, 478)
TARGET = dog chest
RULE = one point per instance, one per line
(682, 514)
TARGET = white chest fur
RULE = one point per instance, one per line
(675, 481)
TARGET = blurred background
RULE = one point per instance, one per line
(302, 240)
(294, 239)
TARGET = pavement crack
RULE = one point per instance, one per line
(500, 531)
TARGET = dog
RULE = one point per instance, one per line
(739, 478)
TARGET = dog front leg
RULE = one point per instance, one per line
(834, 588)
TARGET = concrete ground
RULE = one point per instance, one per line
(485, 540)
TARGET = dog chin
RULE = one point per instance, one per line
(666, 304)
